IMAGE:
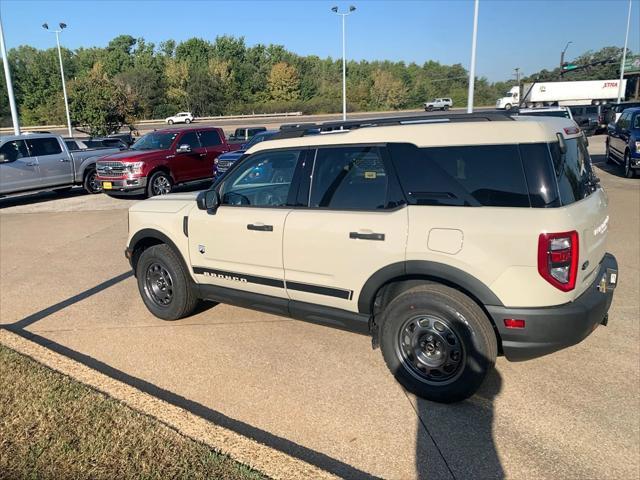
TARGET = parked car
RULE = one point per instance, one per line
(623, 141)
(446, 241)
(181, 117)
(561, 112)
(162, 159)
(613, 111)
(33, 162)
(438, 104)
(226, 160)
(244, 134)
(588, 117)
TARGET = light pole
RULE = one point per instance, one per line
(517, 74)
(7, 76)
(64, 86)
(344, 60)
(624, 55)
(472, 70)
(562, 56)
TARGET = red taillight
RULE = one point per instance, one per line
(513, 323)
(558, 259)
(571, 130)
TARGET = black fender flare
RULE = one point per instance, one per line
(146, 233)
(424, 268)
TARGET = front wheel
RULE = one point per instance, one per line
(159, 184)
(445, 108)
(164, 284)
(170, 122)
(91, 184)
(607, 154)
(437, 342)
(428, 109)
(507, 107)
(187, 121)
(628, 171)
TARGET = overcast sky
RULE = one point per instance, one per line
(517, 33)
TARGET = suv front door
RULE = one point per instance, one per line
(240, 245)
(190, 163)
(353, 226)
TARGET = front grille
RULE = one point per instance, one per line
(110, 169)
(223, 165)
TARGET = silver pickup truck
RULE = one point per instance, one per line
(36, 162)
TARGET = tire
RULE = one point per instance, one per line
(607, 154)
(445, 108)
(440, 325)
(429, 109)
(90, 184)
(628, 171)
(170, 122)
(187, 121)
(164, 285)
(159, 184)
(507, 107)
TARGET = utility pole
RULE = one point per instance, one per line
(624, 55)
(64, 86)
(7, 76)
(344, 60)
(562, 57)
(472, 70)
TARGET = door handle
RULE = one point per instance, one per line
(203, 154)
(32, 164)
(65, 160)
(366, 236)
(260, 227)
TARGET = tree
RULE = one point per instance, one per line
(101, 105)
(387, 91)
(284, 84)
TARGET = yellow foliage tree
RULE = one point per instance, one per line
(284, 83)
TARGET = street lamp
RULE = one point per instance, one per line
(562, 55)
(344, 61)
(472, 69)
(624, 56)
(64, 87)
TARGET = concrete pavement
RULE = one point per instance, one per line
(319, 394)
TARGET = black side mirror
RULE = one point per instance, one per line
(208, 200)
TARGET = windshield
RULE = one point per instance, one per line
(509, 94)
(155, 141)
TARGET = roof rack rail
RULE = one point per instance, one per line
(295, 130)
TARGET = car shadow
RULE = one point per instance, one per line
(614, 169)
(38, 197)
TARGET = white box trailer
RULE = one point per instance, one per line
(590, 92)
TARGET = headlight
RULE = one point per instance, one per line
(135, 167)
(637, 146)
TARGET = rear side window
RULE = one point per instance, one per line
(210, 138)
(572, 170)
(478, 175)
(72, 145)
(349, 178)
(44, 146)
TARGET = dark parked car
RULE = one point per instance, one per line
(244, 134)
(588, 118)
(227, 159)
(623, 141)
(613, 111)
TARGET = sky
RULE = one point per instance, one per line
(516, 33)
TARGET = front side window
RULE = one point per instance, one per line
(349, 178)
(41, 147)
(155, 141)
(191, 139)
(572, 169)
(636, 122)
(263, 180)
(13, 150)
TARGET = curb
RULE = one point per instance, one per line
(271, 462)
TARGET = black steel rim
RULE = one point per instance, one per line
(94, 184)
(158, 285)
(430, 349)
(161, 185)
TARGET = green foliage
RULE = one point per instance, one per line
(138, 80)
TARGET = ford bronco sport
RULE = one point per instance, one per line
(449, 242)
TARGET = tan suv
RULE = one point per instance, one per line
(449, 240)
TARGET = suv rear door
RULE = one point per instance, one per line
(211, 141)
(352, 225)
(240, 245)
(53, 161)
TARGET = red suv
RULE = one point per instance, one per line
(161, 159)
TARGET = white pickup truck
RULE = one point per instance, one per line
(37, 162)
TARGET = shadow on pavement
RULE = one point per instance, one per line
(614, 169)
(30, 198)
(464, 431)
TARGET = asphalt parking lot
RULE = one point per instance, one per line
(320, 394)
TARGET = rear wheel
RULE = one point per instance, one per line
(628, 171)
(187, 121)
(445, 108)
(428, 109)
(437, 342)
(170, 122)
(90, 183)
(164, 284)
(159, 184)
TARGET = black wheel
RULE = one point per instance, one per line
(159, 184)
(628, 171)
(164, 284)
(445, 108)
(170, 122)
(607, 154)
(428, 109)
(437, 342)
(90, 184)
(187, 121)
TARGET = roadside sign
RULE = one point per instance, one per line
(632, 65)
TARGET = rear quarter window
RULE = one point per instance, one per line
(478, 175)
(572, 170)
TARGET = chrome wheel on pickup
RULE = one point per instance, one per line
(159, 184)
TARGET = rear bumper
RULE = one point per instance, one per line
(549, 329)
